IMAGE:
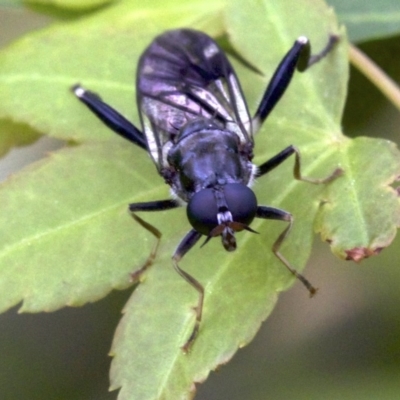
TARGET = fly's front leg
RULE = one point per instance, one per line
(312, 59)
(281, 215)
(283, 155)
(109, 116)
(298, 57)
(149, 206)
(191, 238)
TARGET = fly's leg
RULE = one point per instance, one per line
(281, 215)
(283, 155)
(277, 214)
(149, 206)
(298, 57)
(109, 116)
(314, 58)
(136, 275)
(191, 238)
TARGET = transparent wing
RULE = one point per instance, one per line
(183, 76)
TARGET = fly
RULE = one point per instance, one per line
(198, 131)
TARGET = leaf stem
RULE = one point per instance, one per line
(375, 74)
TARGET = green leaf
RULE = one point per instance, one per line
(67, 238)
(70, 4)
(64, 229)
(67, 9)
(370, 166)
(368, 19)
(38, 70)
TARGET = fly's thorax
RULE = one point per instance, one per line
(206, 156)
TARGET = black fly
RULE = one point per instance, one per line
(198, 131)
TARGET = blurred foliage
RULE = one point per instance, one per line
(368, 19)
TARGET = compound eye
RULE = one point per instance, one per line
(202, 211)
(241, 201)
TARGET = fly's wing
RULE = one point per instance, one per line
(183, 76)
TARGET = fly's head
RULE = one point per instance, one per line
(222, 210)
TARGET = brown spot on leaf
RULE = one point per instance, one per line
(359, 253)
